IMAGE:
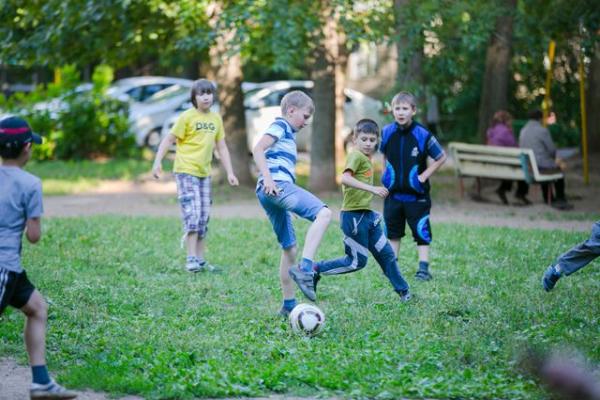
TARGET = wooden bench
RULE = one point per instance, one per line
(496, 162)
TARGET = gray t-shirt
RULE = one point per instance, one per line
(20, 200)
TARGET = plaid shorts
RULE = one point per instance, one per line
(193, 194)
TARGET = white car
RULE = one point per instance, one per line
(262, 101)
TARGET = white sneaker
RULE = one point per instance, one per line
(51, 390)
(193, 266)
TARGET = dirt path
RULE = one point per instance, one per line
(149, 198)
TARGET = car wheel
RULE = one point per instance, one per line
(153, 139)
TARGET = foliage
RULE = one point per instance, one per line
(126, 318)
(77, 122)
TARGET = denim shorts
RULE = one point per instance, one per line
(291, 199)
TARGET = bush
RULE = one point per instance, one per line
(77, 123)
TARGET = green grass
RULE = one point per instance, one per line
(65, 177)
(126, 318)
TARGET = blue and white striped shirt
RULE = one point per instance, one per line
(281, 156)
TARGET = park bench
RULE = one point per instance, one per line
(496, 162)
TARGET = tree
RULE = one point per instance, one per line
(593, 102)
(494, 93)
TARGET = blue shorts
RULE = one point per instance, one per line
(291, 198)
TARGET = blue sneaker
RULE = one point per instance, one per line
(305, 281)
(551, 276)
(405, 296)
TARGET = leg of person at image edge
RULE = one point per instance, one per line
(358, 242)
(574, 259)
(36, 312)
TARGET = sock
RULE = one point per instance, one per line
(289, 304)
(306, 265)
(423, 266)
(39, 374)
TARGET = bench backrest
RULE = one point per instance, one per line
(497, 162)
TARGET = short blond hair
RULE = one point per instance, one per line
(405, 97)
(298, 99)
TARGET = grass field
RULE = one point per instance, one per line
(66, 177)
(126, 318)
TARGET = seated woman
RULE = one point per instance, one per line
(500, 134)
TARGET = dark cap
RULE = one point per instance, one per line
(15, 131)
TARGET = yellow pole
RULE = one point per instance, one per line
(584, 144)
(546, 105)
(57, 76)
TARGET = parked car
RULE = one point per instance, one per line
(261, 103)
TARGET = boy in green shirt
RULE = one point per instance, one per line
(361, 225)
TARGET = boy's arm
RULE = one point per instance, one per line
(226, 162)
(348, 179)
(432, 168)
(33, 229)
(164, 146)
(258, 153)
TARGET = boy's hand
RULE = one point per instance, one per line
(270, 187)
(156, 170)
(380, 191)
(421, 178)
(233, 180)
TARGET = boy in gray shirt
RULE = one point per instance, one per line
(20, 211)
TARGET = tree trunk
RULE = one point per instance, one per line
(340, 99)
(322, 152)
(227, 70)
(593, 103)
(494, 92)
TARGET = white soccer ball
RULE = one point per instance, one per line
(307, 319)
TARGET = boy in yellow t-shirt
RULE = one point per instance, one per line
(195, 134)
(361, 225)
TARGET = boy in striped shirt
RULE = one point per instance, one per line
(275, 155)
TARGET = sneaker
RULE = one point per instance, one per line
(305, 281)
(502, 197)
(423, 275)
(205, 266)
(193, 266)
(561, 205)
(550, 278)
(316, 279)
(51, 390)
(284, 312)
(405, 296)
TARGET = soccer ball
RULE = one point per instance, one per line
(307, 319)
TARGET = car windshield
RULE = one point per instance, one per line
(168, 93)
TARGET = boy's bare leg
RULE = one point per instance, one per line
(288, 259)
(191, 243)
(423, 253)
(200, 247)
(395, 243)
(36, 311)
(315, 233)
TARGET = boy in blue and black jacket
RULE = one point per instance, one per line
(406, 146)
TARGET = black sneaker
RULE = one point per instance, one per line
(523, 201)
(305, 281)
(405, 296)
(423, 275)
(316, 279)
(502, 197)
(284, 312)
(550, 278)
(561, 205)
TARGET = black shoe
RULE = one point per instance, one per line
(305, 281)
(423, 275)
(561, 205)
(316, 279)
(502, 196)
